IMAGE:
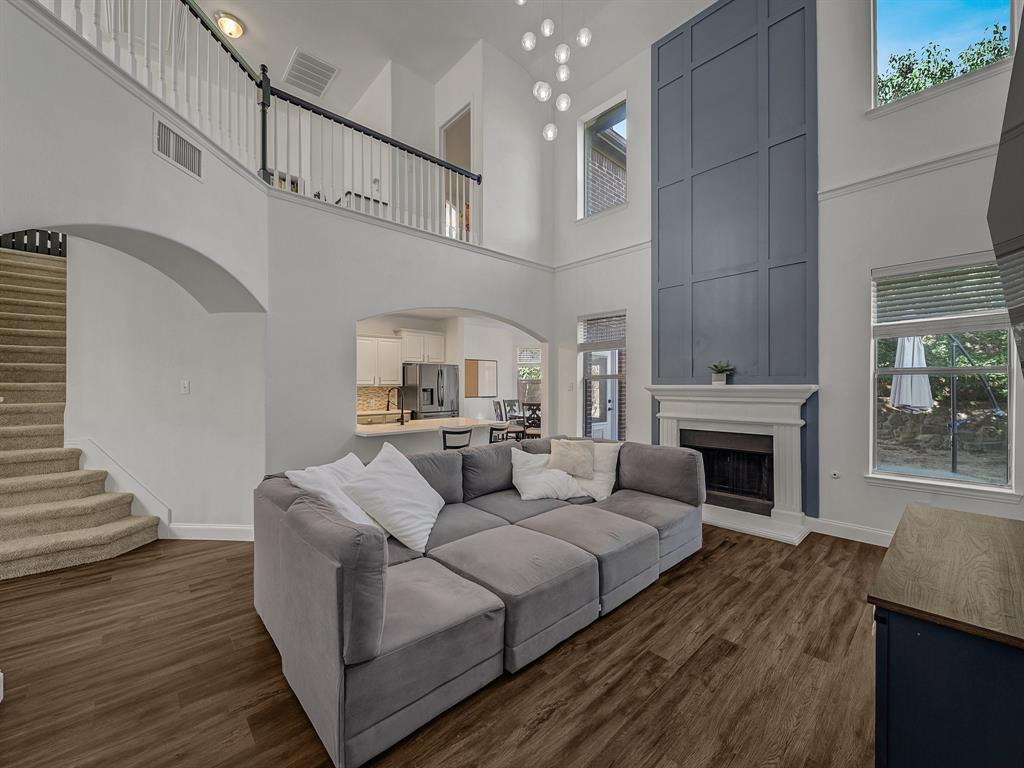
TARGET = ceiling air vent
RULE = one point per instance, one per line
(309, 73)
(174, 147)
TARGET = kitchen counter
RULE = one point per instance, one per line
(421, 425)
(381, 412)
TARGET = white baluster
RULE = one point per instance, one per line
(115, 28)
(209, 86)
(184, 67)
(288, 145)
(78, 18)
(174, 55)
(145, 43)
(160, 44)
(131, 39)
(273, 103)
(97, 27)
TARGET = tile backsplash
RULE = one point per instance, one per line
(371, 398)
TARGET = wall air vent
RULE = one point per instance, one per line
(309, 73)
(174, 147)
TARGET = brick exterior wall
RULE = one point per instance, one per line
(606, 182)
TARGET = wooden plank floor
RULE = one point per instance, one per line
(751, 653)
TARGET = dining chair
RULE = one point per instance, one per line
(499, 412)
(531, 420)
(513, 411)
(499, 434)
(453, 439)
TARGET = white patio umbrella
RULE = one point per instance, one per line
(911, 392)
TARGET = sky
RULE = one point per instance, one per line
(910, 24)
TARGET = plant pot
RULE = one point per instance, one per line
(719, 378)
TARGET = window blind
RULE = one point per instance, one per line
(969, 290)
(528, 356)
(607, 332)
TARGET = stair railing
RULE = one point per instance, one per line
(177, 52)
(36, 241)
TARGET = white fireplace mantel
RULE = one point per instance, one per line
(761, 409)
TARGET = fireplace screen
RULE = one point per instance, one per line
(737, 468)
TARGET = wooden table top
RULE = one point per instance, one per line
(959, 569)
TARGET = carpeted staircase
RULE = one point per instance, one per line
(52, 514)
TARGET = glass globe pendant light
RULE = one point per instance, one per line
(562, 74)
(541, 90)
(583, 37)
(529, 41)
(550, 132)
(547, 27)
(562, 53)
(563, 102)
(520, 2)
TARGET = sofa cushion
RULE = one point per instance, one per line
(457, 521)
(660, 470)
(677, 523)
(437, 626)
(486, 469)
(443, 470)
(279, 490)
(398, 553)
(550, 588)
(624, 548)
(510, 506)
(360, 556)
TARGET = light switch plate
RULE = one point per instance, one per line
(185, 388)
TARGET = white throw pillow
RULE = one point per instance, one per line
(326, 482)
(606, 462)
(534, 480)
(393, 492)
(575, 457)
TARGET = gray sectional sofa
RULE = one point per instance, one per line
(376, 639)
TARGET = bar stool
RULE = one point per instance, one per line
(499, 434)
(453, 439)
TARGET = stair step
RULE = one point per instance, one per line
(34, 373)
(37, 263)
(26, 414)
(32, 307)
(39, 461)
(57, 516)
(29, 279)
(31, 436)
(35, 554)
(35, 489)
(9, 291)
(28, 321)
(33, 392)
(32, 337)
(24, 353)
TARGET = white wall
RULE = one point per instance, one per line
(386, 325)
(935, 210)
(80, 146)
(412, 109)
(133, 335)
(347, 269)
(373, 108)
(484, 339)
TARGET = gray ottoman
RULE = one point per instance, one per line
(626, 550)
(550, 588)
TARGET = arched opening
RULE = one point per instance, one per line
(422, 370)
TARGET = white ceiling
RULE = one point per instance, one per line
(429, 36)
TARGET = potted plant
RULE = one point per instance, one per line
(720, 371)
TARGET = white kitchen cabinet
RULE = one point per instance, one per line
(413, 347)
(389, 362)
(422, 347)
(434, 348)
(378, 362)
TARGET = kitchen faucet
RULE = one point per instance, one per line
(401, 403)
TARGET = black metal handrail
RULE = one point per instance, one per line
(300, 102)
(214, 30)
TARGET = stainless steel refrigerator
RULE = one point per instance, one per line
(431, 391)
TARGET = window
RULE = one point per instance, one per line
(528, 374)
(942, 375)
(604, 160)
(921, 44)
(602, 350)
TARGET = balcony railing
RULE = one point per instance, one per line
(176, 52)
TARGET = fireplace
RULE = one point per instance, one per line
(738, 468)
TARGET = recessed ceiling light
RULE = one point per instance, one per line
(229, 25)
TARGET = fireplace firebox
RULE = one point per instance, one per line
(737, 468)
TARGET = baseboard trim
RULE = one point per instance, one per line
(120, 479)
(862, 533)
(756, 525)
(210, 532)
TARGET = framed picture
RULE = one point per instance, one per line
(481, 378)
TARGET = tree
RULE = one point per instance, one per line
(914, 71)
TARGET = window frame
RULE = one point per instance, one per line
(582, 348)
(539, 365)
(940, 326)
(1016, 8)
(581, 159)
